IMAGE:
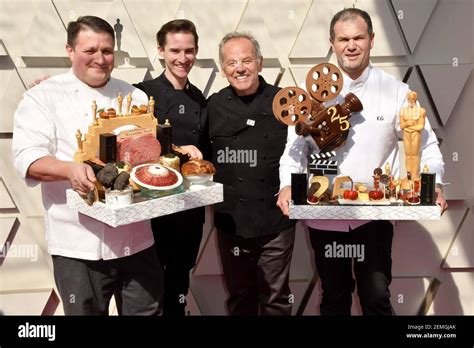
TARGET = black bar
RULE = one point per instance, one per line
(251, 330)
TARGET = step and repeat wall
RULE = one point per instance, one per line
(428, 44)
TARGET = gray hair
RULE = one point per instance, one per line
(238, 35)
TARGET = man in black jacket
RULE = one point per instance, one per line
(255, 239)
(178, 236)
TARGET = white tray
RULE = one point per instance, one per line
(148, 209)
(358, 202)
(365, 212)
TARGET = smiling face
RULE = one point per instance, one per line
(179, 53)
(240, 65)
(352, 45)
(92, 57)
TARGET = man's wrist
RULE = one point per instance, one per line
(439, 187)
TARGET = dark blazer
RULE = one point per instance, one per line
(249, 208)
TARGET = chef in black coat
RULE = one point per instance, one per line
(178, 236)
(255, 239)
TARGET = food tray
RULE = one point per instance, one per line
(147, 209)
(395, 211)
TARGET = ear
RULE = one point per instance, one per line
(372, 40)
(331, 41)
(70, 52)
(161, 51)
(260, 64)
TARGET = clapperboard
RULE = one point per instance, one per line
(321, 163)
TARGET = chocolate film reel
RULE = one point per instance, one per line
(292, 105)
(324, 82)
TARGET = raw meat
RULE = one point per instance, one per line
(138, 149)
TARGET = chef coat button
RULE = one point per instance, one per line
(239, 179)
(241, 200)
(265, 135)
(194, 131)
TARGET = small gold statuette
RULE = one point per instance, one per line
(120, 101)
(94, 113)
(79, 140)
(129, 103)
(151, 104)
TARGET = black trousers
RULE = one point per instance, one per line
(373, 271)
(86, 286)
(177, 240)
(256, 272)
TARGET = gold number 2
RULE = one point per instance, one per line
(344, 124)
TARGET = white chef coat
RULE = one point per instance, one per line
(45, 124)
(372, 140)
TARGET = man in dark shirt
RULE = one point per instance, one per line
(178, 236)
(255, 239)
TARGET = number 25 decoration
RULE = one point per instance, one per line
(327, 126)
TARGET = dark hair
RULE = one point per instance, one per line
(350, 13)
(176, 26)
(96, 24)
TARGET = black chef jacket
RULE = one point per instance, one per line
(249, 209)
(183, 108)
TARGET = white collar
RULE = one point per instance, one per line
(358, 82)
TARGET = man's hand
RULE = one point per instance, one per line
(81, 176)
(284, 198)
(441, 201)
(38, 81)
(192, 151)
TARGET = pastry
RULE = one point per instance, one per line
(197, 167)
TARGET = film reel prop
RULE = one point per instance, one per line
(329, 126)
(292, 105)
